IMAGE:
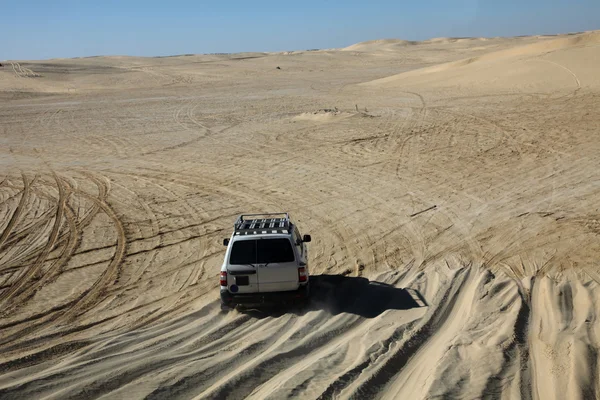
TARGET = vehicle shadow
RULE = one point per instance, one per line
(338, 294)
(356, 295)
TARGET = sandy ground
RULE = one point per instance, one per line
(120, 176)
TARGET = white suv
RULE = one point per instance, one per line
(266, 262)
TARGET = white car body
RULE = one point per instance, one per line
(266, 262)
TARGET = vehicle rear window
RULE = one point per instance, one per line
(243, 252)
(274, 251)
(262, 251)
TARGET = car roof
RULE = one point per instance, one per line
(263, 225)
(262, 236)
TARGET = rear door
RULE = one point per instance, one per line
(242, 273)
(277, 267)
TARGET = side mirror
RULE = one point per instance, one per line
(225, 242)
(306, 238)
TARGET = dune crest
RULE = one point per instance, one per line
(379, 45)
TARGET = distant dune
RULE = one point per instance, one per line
(395, 44)
(379, 45)
(528, 68)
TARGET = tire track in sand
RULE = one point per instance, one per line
(88, 299)
(16, 237)
(577, 81)
(17, 213)
(36, 268)
(55, 269)
(417, 357)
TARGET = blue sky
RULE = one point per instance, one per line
(40, 29)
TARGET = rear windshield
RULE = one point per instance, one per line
(261, 251)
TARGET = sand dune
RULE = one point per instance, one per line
(522, 68)
(381, 44)
(451, 188)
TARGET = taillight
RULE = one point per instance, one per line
(302, 275)
(223, 279)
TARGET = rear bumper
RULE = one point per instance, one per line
(265, 299)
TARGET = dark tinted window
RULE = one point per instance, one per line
(261, 251)
(274, 251)
(243, 252)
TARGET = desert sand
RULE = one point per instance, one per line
(451, 188)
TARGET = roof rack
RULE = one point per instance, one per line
(252, 224)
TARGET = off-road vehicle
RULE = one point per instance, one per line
(266, 262)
